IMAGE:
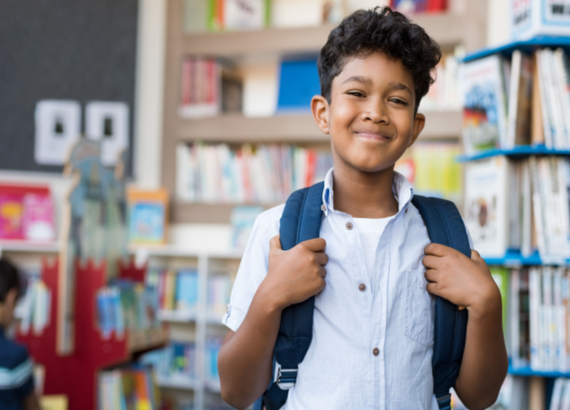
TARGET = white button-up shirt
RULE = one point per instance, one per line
(372, 345)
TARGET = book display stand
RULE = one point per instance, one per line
(76, 375)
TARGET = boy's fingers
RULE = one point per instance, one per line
(323, 272)
(475, 255)
(437, 249)
(432, 288)
(430, 261)
(275, 244)
(431, 275)
(315, 245)
(322, 258)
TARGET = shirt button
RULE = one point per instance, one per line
(406, 211)
(375, 351)
(349, 225)
(323, 207)
(362, 287)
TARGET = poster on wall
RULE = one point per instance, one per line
(58, 125)
(108, 122)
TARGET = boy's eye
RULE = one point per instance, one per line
(398, 101)
(356, 93)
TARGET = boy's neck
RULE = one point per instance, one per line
(362, 194)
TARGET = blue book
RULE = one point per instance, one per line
(186, 290)
(298, 83)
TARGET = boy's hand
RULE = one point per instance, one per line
(464, 281)
(297, 274)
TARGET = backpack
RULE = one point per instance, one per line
(301, 221)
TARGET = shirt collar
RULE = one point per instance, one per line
(401, 188)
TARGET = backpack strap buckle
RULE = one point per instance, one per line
(286, 378)
(444, 402)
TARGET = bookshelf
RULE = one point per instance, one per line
(198, 324)
(467, 28)
(541, 381)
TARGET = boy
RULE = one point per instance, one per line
(373, 319)
(16, 367)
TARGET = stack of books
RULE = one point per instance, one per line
(264, 174)
(126, 305)
(517, 101)
(127, 388)
(537, 309)
(175, 289)
(33, 309)
(520, 204)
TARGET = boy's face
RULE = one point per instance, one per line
(371, 115)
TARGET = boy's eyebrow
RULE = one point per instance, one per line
(360, 79)
(400, 86)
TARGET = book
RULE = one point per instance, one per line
(520, 97)
(245, 14)
(298, 83)
(484, 112)
(147, 216)
(26, 213)
(486, 205)
(186, 289)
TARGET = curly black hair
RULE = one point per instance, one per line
(379, 29)
(9, 279)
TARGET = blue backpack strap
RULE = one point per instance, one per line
(445, 226)
(301, 221)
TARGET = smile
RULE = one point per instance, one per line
(373, 136)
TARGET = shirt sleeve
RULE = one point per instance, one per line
(253, 267)
(20, 378)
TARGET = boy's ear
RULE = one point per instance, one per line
(320, 110)
(11, 297)
(419, 123)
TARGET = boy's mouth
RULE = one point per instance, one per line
(371, 135)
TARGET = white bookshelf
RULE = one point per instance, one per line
(198, 324)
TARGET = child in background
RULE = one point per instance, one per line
(16, 366)
(373, 269)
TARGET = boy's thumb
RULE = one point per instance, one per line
(275, 244)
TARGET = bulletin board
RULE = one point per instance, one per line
(63, 50)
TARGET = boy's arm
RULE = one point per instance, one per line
(468, 282)
(246, 357)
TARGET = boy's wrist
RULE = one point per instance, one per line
(271, 303)
(488, 304)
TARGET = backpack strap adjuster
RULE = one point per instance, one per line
(286, 378)
(444, 402)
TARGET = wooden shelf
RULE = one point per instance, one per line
(179, 383)
(447, 29)
(293, 128)
(7, 245)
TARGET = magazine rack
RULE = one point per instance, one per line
(76, 375)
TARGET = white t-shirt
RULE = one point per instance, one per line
(370, 231)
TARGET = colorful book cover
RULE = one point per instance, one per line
(38, 217)
(11, 216)
(186, 290)
(486, 205)
(484, 112)
(148, 216)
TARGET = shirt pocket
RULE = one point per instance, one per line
(420, 308)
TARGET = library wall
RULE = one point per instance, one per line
(62, 50)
